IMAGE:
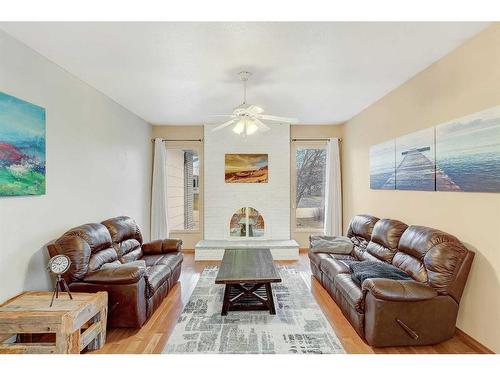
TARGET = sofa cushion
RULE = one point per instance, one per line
(136, 263)
(331, 267)
(360, 229)
(322, 260)
(317, 258)
(171, 260)
(88, 246)
(126, 237)
(122, 228)
(362, 271)
(156, 276)
(350, 292)
(435, 257)
(385, 239)
(116, 275)
(101, 257)
(129, 250)
(411, 265)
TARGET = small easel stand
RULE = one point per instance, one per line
(60, 286)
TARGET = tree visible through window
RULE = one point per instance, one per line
(310, 188)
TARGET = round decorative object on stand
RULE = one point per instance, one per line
(58, 265)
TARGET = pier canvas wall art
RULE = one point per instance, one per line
(383, 166)
(415, 161)
(246, 168)
(459, 155)
(22, 147)
(468, 152)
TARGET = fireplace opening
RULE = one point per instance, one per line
(246, 222)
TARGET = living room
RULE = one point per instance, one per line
(248, 187)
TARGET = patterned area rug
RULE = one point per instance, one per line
(299, 326)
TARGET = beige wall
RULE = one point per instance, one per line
(312, 131)
(178, 132)
(317, 131)
(189, 239)
(465, 81)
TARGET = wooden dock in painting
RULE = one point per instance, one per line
(416, 171)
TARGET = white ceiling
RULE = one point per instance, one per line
(181, 73)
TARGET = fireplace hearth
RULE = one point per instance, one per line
(214, 249)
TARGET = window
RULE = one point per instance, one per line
(183, 190)
(309, 186)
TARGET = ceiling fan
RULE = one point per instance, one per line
(249, 118)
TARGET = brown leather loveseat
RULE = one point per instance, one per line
(99, 255)
(420, 311)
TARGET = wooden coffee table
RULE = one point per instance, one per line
(247, 274)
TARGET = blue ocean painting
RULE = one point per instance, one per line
(22, 147)
(468, 152)
(415, 161)
(383, 166)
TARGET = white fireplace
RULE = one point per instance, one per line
(232, 210)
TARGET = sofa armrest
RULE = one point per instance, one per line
(118, 275)
(398, 290)
(162, 246)
(126, 302)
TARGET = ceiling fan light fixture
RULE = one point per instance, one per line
(250, 118)
(240, 127)
(251, 128)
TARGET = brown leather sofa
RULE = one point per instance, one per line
(98, 253)
(385, 312)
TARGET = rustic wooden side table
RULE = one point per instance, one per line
(77, 323)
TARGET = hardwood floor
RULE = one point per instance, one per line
(152, 337)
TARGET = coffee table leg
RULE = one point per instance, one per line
(227, 297)
(270, 299)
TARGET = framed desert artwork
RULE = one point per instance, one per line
(246, 168)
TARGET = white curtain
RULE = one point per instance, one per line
(159, 206)
(333, 193)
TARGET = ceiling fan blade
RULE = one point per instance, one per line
(287, 120)
(255, 109)
(222, 126)
(262, 127)
(233, 116)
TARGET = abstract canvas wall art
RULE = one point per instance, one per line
(415, 161)
(468, 152)
(22, 147)
(383, 166)
(246, 168)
